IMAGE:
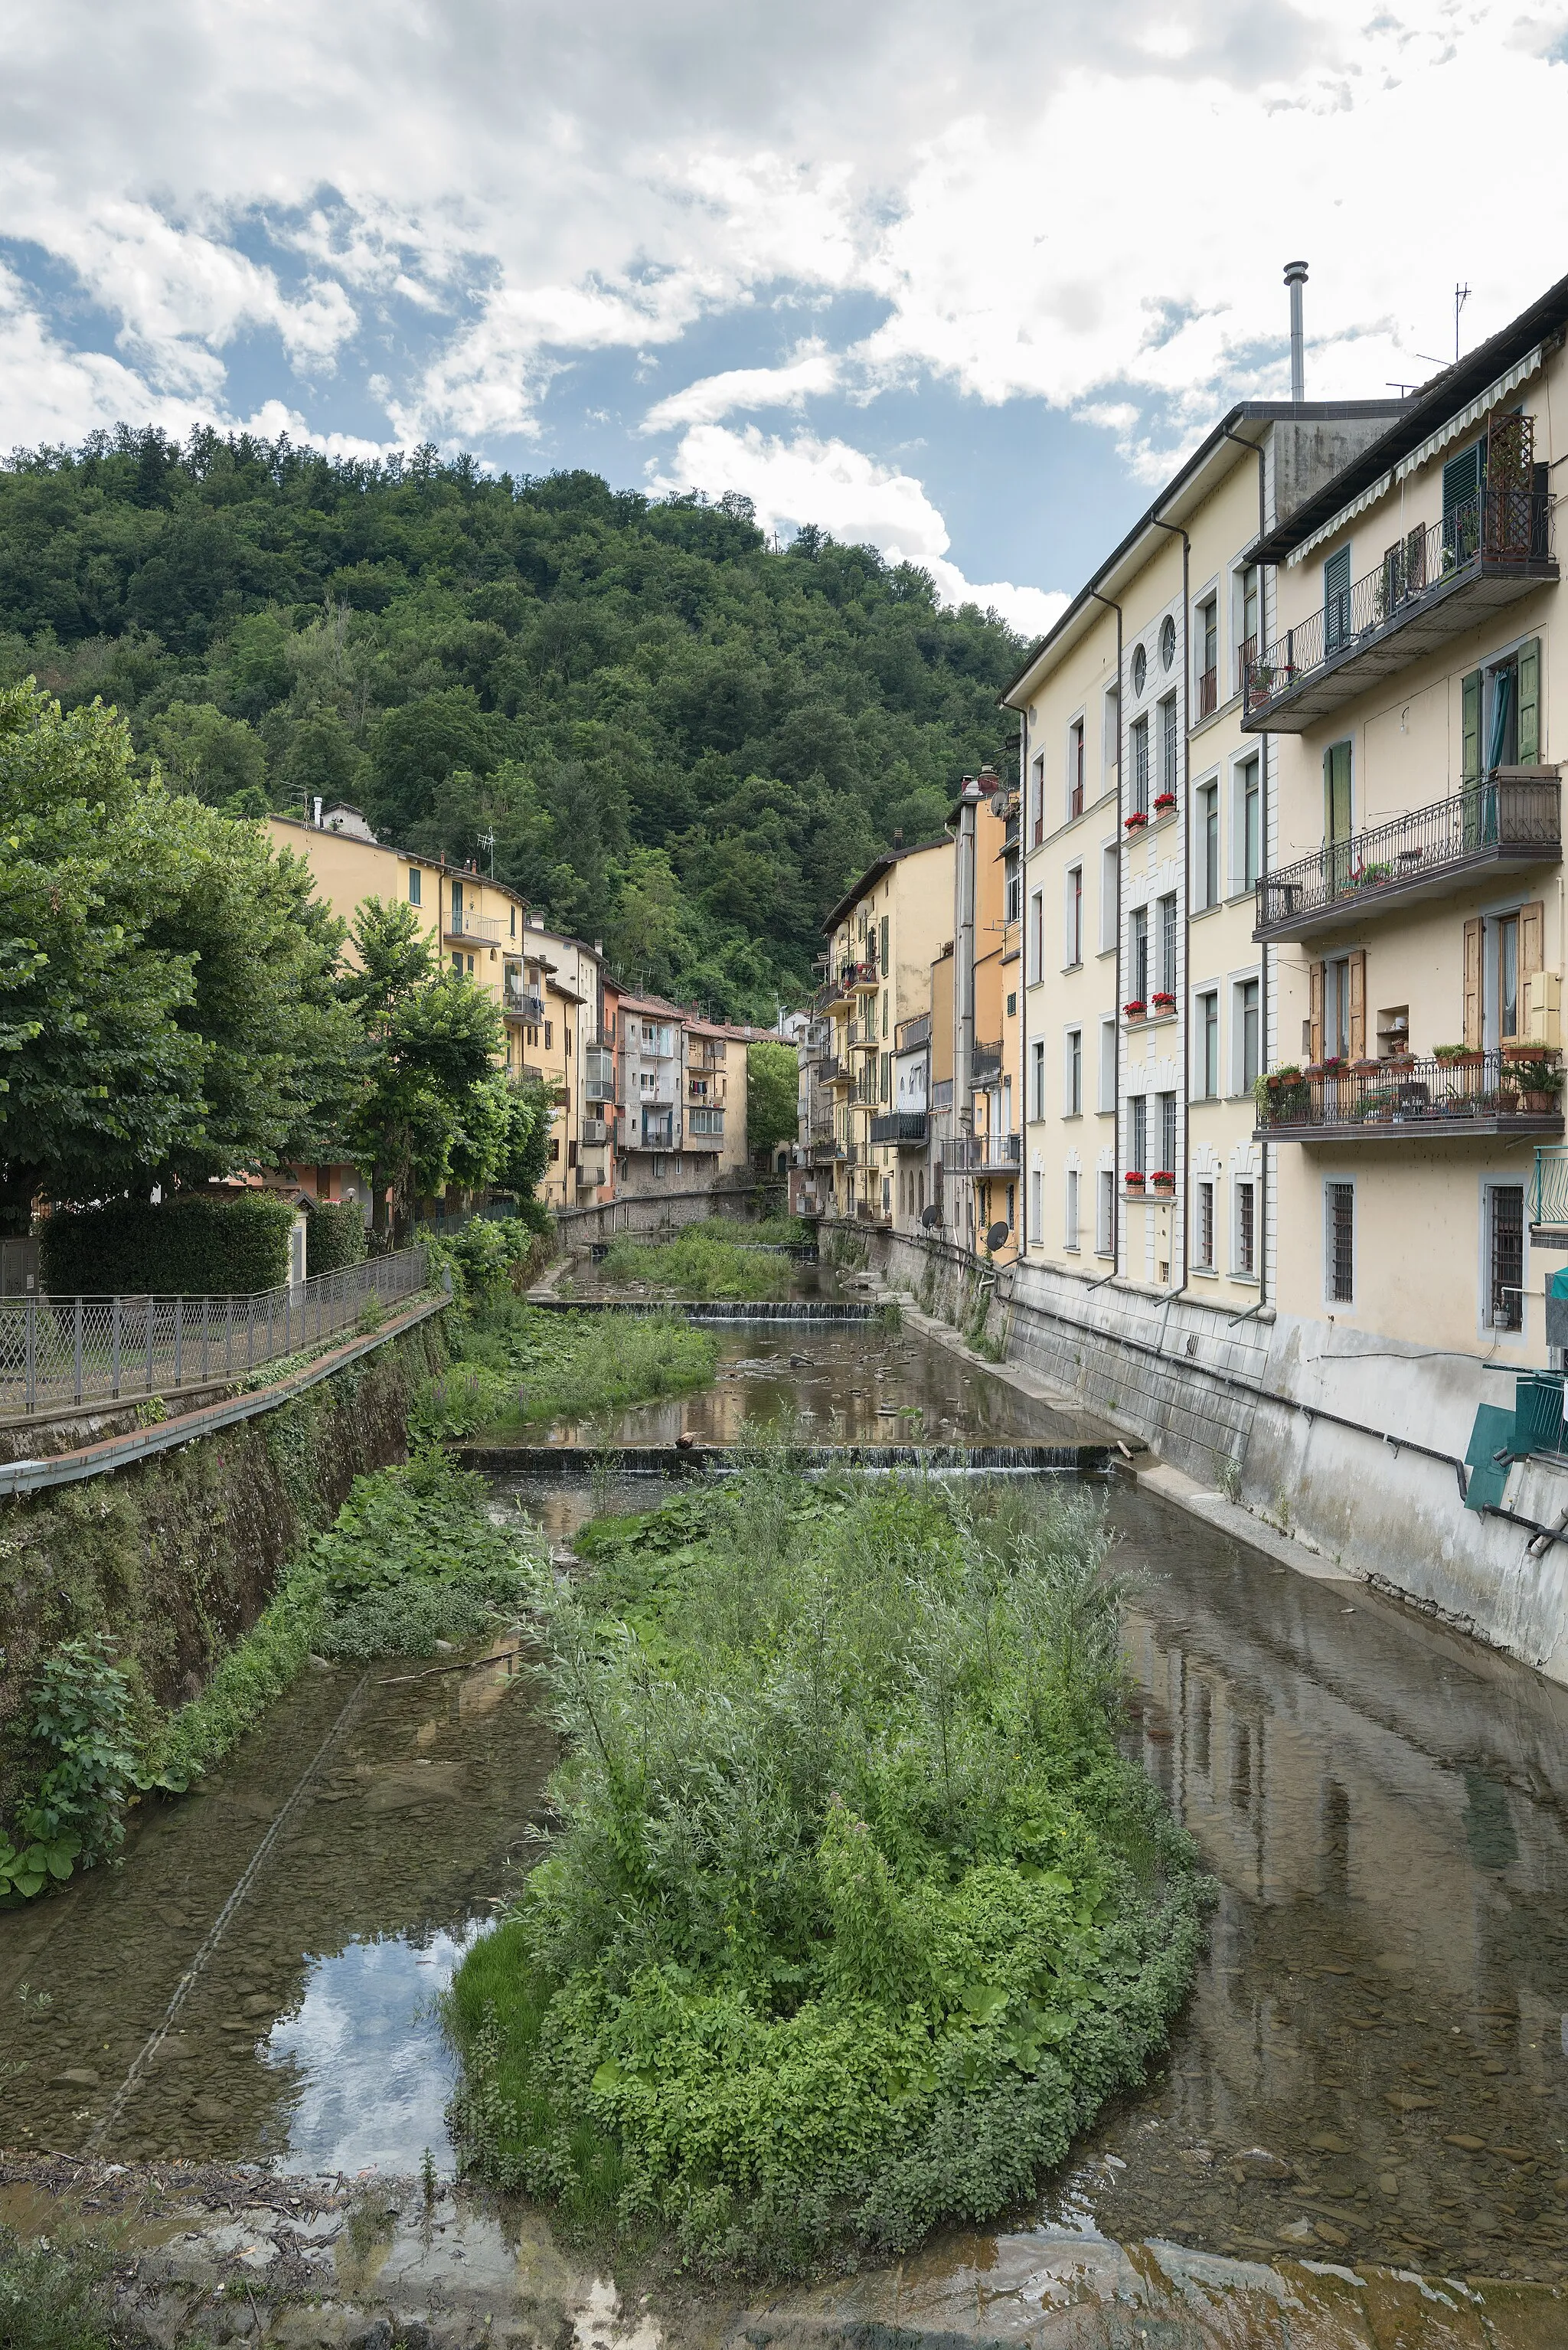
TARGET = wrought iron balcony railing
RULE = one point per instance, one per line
(1488, 550)
(1514, 1091)
(1509, 820)
(902, 1126)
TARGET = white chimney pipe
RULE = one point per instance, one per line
(1295, 278)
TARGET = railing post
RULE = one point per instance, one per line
(76, 1349)
(206, 1321)
(114, 1346)
(151, 1312)
(30, 1347)
(180, 1341)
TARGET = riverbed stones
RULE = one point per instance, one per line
(74, 2076)
(1407, 2101)
(1257, 2162)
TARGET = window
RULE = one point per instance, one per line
(1336, 600)
(1249, 617)
(1167, 912)
(1138, 1137)
(1203, 1228)
(1166, 642)
(1037, 1089)
(1014, 895)
(1037, 937)
(457, 963)
(1167, 1133)
(1037, 1204)
(1139, 804)
(1208, 658)
(413, 885)
(1206, 846)
(1208, 1045)
(1012, 1005)
(884, 955)
(1139, 668)
(1138, 956)
(1074, 1073)
(1111, 735)
(1074, 939)
(1070, 1237)
(1249, 813)
(1505, 1255)
(887, 1092)
(1336, 807)
(1075, 768)
(549, 1030)
(1110, 878)
(1037, 798)
(1339, 1243)
(1107, 1065)
(1248, 1021)
(1168, 746)
(1247, 1230)
(1508, 975)
(1463, 480)
(1105, 1211)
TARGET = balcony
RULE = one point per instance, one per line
(598, 1074)
(868, 1211)
(986, 1066)
(862, 1036)
(859, 978)
(654, 1131)
(909, 1035)
(833, 1073)
(1436, 583)
(520, 1003)
(1509, 820)
(983, 1154)
(826, 1148)
(471, 930)
(907, 1127)
(1407, 1100)
(1549, 1196)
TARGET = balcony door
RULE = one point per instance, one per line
(1336, 814)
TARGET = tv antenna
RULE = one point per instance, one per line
(1461, 295)
(487, 841)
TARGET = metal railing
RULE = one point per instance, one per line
(1208, 693)
(977, 1153)
(862, 1036)
(1502, 816)
(852, 975)
(1549, 1188)
(56, 1350)
(1373, 1097)
(465, 925)
(909, 1035)
(901, 1125)
(986, 1062)
(1502, 530)
(522, 1004)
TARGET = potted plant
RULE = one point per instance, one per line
(1164, 1181)
(1163, 1000)
(1283, 1096)
(1540, 1078)
(1134, 1008)
(1164, 802)
(1133, 1179)
(1136, 821)
(1457, 1056)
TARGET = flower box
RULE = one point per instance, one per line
(1135, 1009)
(1162, 1001)
(1529, 1053)
(1163, 1180)
(1164, 802)
(1134, 822)
(1133, 1179)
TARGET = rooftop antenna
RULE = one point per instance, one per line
(1461, 295)
(1295, 278)
(487, 841)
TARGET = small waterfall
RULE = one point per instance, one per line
(721, 1309)
(579, 1461)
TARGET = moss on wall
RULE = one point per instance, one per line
(176, 1558)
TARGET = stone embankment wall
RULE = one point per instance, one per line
(176, 1556)
(1354, 1447)
(650, 1212)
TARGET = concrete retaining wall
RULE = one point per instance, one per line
(649, 1211)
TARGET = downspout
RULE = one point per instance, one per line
(1183, 1200)
(1116, 1009)
(1258, 448)
(1021, 1250)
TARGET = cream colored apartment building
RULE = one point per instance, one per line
(547, 988)
(1411, 684)
(872, 1162)
(1144, 821)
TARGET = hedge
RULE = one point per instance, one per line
(185, 1246)
(334, 1237)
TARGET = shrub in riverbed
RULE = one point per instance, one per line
(858, 1914)
(705, 1261)
(515, 1364)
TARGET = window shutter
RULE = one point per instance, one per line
(1470, 728)
(1315, 980)
(1462, 478)
(1531, 945)
(1336, 808)
(1530, 702)
(1473, 933)
(1358, 1005)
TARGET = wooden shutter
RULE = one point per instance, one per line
(1531, 945)
(1337, 796)
(1357, 1022)
(1473, 933)
(1315, 973)
(1470, 728)
(1530, 705)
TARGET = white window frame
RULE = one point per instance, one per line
(1202, 1091)
(1037, 1065)
(1206, 793)
(1078, 749)
(1105, 1210)
(1238, 1272)
(1037, 937)
(1240, 981)
(1037, 1206)
(1070, 1213)
(1073, 1073)
(1332, 1180)
(1110, 893)
(1201, 1264)
(1110, 738)
(1109, 1045)
(1073, 917)
(1238, 828)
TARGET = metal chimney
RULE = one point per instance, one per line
(1295, 278)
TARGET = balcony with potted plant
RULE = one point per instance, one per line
(1457, 1090)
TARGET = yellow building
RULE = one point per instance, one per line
(547, 988)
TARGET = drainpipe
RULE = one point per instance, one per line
(1257, 446)
(1183, 1024)
(1022, 1249)
(1116, 1057)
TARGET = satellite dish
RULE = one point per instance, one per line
(997, 1236)
(931, 1217)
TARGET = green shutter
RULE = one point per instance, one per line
(1530, 702)
(1470, 728)
(1462, 478)
(1336, 792)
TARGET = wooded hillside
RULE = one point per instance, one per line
(684, 741)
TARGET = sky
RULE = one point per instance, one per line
(962, 278)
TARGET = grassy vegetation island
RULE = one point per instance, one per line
(515, 1366)
(858, 1914)
(714, 1259)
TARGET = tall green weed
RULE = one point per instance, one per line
(705, 1261)
(858, 1914)
(514, 1365)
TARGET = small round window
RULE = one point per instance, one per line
(1166, 641)
(1140, 669)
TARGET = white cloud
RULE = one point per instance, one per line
(850, 495)
(814, 370)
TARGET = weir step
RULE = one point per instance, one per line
(721, 1309)
(575, 1460)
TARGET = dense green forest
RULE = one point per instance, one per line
(667, 733)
